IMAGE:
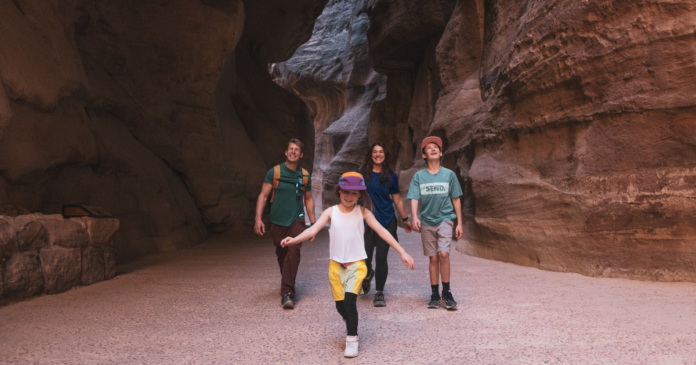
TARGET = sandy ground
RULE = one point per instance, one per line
(219, 303)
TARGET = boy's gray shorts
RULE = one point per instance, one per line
(436, 239)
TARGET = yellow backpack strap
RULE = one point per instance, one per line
(276, 180)
(305, 180)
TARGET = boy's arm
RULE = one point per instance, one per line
(457, 203)
(387, 237)
(309, 232)
(414, 213)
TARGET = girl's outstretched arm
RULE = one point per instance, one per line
(387, 237)
(309, 232)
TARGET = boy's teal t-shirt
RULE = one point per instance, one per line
(287, 205)
(435, 193)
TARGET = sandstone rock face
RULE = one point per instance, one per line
(61, 267)
(568, 123)
(163, 113)
(31, 235)
(22, 276)
(331, 74)
(92, 269)
(51, 254)
(8, 239)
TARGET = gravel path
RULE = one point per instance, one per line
(219, 303)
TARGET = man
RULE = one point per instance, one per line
(289, 185)
(438, 190)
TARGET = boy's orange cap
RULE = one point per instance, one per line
(432, 139)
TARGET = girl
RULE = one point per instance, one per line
(347, 249)
(383, 187)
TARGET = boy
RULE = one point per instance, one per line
(438, 190)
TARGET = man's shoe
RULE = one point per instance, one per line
(366, 282)
(379, 300)
(287, 301)
(448, 301)
(351, 346)
(434, 301)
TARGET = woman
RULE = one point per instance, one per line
(383, 189)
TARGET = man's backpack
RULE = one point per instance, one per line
(276, 180)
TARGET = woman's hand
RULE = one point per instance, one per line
(408, 261)
(408, 227)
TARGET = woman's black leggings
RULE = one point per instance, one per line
(349, 311)
(372, 241)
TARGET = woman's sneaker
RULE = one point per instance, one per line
(366, 282)
(351, 346)
(434, 301)
(379, 300)
(448, 301)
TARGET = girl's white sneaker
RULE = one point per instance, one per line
(351, 346)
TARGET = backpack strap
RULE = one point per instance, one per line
(305, 180)
(276, 180)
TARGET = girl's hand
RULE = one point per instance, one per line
(287, 241)
(408, 261)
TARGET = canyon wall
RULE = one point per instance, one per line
(162, 113)
(568, 122)
(332, 75)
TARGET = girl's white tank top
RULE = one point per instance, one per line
(346, 236)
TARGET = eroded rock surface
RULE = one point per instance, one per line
(50, 254)
(568, 123)
(163, 113)
(332, 75)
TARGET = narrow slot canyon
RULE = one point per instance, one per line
(569, 126)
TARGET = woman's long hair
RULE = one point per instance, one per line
(366, 167)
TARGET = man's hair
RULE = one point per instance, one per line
(297, 142)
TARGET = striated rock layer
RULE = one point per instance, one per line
(163, 113)
(332, 75)
(569, 122)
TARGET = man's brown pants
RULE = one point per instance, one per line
(288, 257)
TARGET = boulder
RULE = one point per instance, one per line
(109, 262)
(101, 230)
(22, 276)
(65, 232)
(32, 236)
(61, 268)
(8, 239)
(93, 269)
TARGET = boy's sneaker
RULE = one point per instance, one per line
(351, 346)
(379, 300)
(434, 301)
(287, 301)
(448, 301)
(366, 282)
